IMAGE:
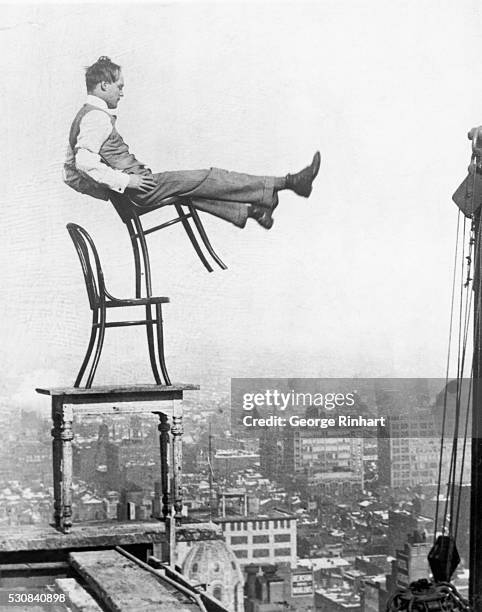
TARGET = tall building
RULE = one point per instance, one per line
(279, 588)
(409, 444)
(331, 464)
(402, 524)
(409, 449)
(411, 562)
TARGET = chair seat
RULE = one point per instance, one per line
(136, 302)
(123, 202)
(141, 210)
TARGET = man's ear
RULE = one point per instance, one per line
(103, 85)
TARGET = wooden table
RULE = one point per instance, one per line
(112, 400)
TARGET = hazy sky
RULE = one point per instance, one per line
(355, 280)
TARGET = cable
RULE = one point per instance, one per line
(439, 479)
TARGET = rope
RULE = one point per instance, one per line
(467, 409)
(439, 478)
(460, 375)
(451, 513)
(422, 595)
(460, 362)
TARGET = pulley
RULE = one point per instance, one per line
(425, 596)
(443, 558)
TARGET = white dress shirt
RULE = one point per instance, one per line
(95, 127)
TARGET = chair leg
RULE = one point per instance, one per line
(192, 237)
(98, 349)
(160, 344)
(93, 333)
(150, 345)
(205, 239)
(137, 260)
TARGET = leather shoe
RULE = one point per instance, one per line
(262, 215)
(302, 182)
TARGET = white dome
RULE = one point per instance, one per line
(214, 563)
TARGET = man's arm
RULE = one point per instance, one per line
(94, 130)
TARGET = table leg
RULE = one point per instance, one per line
(66, 437)
(177, 431)
(164, 428)
(57, 460)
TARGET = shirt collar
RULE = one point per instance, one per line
(98, 102)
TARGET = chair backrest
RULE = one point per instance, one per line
(90, 263)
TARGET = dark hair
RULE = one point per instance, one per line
(102, 70)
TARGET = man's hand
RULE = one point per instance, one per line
(138, 182)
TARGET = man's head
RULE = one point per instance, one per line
(104, 79)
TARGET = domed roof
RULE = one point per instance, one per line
(214, 563)
(211, 557)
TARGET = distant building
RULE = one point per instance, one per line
(327, 571)
(409, 449)
(337, 599)
(225, 462)
(330, 464)
(29, 461)
(131, 461)
(279, 588)
(411, 562)
(401, 524)
(374, 594)
(261, 539)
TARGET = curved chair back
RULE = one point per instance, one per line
(90, 263)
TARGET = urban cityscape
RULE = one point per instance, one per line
(305, 520)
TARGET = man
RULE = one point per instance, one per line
(98, 161)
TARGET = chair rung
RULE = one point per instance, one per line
(166, 224)
(127, 323)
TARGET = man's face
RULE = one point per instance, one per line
(113, 92)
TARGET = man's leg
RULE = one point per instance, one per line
(202, 193)
(214, 184)
(234, 212)
(232, 196)
(229, 186)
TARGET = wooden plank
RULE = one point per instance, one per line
(83, 535)
(102, 398)
(49, 566)
(128, 408)
(124, 586)
(99, 533)
(78, 598)
(119, 389)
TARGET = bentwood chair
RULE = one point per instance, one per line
(100, 301)
(130, 213)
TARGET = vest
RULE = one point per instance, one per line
(114, 153)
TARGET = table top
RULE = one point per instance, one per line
(118, 393)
